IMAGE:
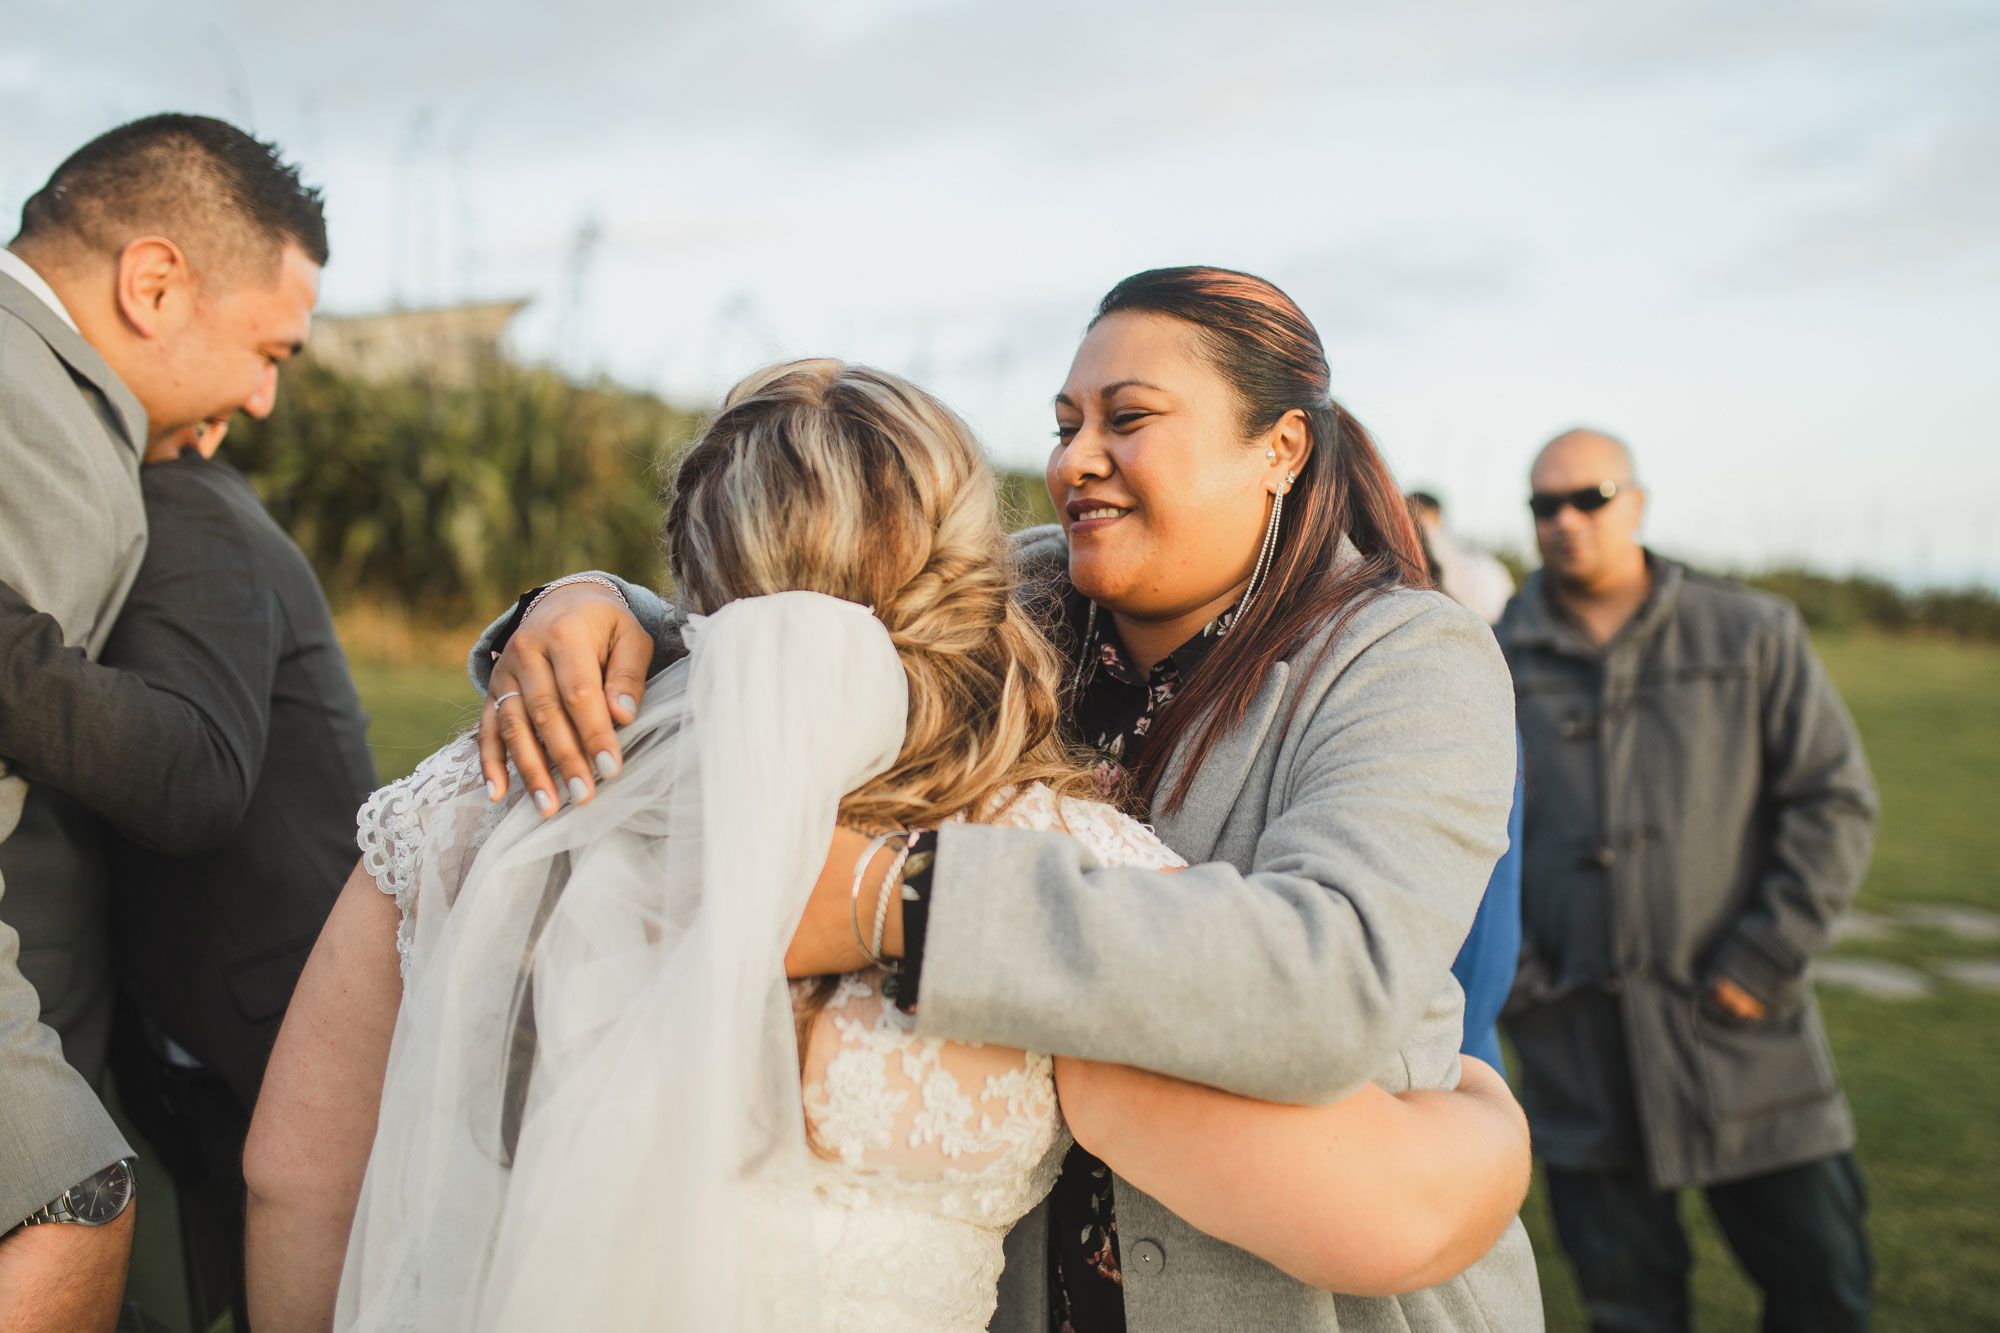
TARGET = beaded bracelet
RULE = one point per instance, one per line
(890, 882)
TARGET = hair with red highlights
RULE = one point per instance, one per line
(1271, 355)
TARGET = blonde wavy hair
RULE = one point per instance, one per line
(845, 480)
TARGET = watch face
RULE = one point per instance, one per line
(102, 1197)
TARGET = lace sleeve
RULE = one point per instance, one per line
(976, 1122)
(427, 814)
(1116, 837)
(973, 1122)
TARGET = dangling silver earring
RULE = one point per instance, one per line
(1083, 655)
(1269, 549)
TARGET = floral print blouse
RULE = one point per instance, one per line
(1114, 709)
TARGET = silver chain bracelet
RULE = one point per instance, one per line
(599, 579)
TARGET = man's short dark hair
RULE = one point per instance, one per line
(1425, 500)
(220, 194)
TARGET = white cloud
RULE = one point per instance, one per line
(1758, 240)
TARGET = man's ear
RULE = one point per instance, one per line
(153, 279)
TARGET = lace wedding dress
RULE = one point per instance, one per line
(921, 1154)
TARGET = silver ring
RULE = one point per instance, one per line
(511, 694)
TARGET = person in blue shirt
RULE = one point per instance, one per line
(1486, 961)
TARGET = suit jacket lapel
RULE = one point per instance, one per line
(1193, 829)
(80, 356)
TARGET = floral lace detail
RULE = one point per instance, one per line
(930, 1151)
(852, 1107)
(421, 816)
(1116, 837)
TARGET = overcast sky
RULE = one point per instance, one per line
(1761, 241)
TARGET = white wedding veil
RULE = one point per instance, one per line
(591, 1116)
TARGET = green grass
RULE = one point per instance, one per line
(412, 711)
(1929, 713)
(1923, 1075)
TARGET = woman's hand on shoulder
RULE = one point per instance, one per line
(573, 671)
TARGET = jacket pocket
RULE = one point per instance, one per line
(1751, 1069)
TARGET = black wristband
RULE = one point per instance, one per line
(916, 915)
(499, 644)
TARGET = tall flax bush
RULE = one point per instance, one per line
(439, 502)
(442, 501)
(1859, 602)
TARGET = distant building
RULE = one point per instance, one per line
(447, 344)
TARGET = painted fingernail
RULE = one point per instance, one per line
(628, 703)
(494, 791)
(543, 801)
(607, 764)
(578, 790)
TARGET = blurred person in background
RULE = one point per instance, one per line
(158, 280)
(1699, 813)
(1473, 579)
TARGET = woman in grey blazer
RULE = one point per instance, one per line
(1329, 743)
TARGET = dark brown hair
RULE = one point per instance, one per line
(201, 182)
(1271, 355)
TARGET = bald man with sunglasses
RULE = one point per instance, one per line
(1699, 812)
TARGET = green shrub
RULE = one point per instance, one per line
(442, 501)
(1858, 602)
(439, 502)
(445, 500)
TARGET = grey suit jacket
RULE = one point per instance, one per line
(221, 736)
(72, 534)
(1340, 842)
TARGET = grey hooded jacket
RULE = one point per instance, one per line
(1698, 807)
(1341, 840)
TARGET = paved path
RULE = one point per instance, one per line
(1872, 976)
(1884, 980)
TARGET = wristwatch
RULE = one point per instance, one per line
(91, 1202)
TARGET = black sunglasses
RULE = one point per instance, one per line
(1547, 504)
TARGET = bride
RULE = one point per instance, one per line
(548, 1074)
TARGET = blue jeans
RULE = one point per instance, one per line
(1799, 1233)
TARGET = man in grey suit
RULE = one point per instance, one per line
(158, 280)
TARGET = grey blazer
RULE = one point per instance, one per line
(72, 533)
(1340, 841)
